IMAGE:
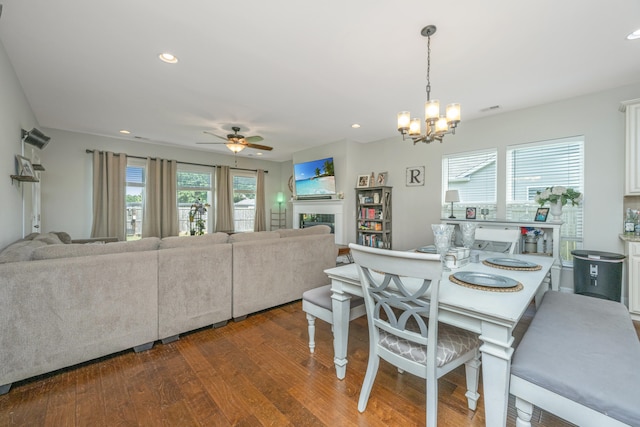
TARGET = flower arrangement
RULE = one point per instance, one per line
(558, 194)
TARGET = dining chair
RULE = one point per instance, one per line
(318, 305)
(403, 325)
(498, 235)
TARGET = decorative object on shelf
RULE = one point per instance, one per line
(196, 220)
(484, 213)
(35, 138)
(25, 169)
(382, 179)
(452, 196)
(363, 181)
(468, 233)
(470, 213)
(372, 180)
(290, 184)
(541, 214)
(437, 126)
(558, 196)
(415, 176)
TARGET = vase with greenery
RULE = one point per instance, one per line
(557, 197)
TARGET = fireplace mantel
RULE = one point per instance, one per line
(321, 206)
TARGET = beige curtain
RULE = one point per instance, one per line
(224, 199)
(108, 195)
(260, 220)
(160, 212)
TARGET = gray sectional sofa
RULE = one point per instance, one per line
(62, 303)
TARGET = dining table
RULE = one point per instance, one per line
(492, 313)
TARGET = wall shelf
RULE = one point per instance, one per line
(23, 178)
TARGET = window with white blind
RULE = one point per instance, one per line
(134, 197)
(473, 174)
(536, 166)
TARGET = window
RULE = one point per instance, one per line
(244, 200)
(474, 176)
(534, 167)
(194, 186)
(134, 197)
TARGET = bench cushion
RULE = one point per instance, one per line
(585, 349)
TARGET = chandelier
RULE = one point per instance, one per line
(437, 126)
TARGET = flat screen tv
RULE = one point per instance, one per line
(315, 179)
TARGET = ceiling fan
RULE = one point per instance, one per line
(236, 142)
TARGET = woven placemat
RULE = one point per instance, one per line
(502, 267)
(515, 288)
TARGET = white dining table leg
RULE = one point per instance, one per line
(496, 351)
(340, 305)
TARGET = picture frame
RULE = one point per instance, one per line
(382, 179)
(415, 176)
(363, 181)
(25, 168)
(541, 214)
(470, 213)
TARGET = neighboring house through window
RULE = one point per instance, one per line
(473, 174)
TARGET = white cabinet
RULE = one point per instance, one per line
(633, 275)
(632, 138)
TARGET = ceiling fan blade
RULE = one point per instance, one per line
(255, 138)
(217, 136)
(259, 147)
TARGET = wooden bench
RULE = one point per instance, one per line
(580, 360)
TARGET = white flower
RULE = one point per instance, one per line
(559, 190)
(545, 194)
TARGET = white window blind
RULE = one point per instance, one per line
(473, 174)
(536, 166)
(134, 198)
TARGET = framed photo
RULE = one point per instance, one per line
(24, 166)
(363, 181)
(382, 179)
(471, 213)
(541, 214)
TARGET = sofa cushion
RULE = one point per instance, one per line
(22, 250)
(255, 235)
(76, 250)
(48, 238)
(188, 241)
(308, 231)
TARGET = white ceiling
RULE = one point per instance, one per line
(299, 73)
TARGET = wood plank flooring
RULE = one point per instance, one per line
(257, 372)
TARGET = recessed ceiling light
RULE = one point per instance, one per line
(634, 35)
(355, 125)
(258, 154)
(168, 58)
(124, 131)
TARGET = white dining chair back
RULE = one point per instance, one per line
(317, 304)
(489, 236)
(401, 291)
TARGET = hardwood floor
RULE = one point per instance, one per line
(251, 373)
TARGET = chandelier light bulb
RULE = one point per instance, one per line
(442, 125)
(403, 120)
(453, 113)
(432, 109)
(414, 128)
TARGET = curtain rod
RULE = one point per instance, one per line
(89, 151)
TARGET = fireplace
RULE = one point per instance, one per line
(312, 212)
(309, 220)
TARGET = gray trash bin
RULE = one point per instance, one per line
(597, 274)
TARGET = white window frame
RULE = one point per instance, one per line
(236, 212)
(183, 211)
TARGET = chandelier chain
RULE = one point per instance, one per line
(428, 68)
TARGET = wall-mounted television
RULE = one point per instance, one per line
(315, 179)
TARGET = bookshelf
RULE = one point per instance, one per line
(373, 217)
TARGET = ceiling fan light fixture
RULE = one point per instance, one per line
(168, 58)
(236, 147)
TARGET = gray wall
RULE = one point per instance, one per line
(15, 114)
